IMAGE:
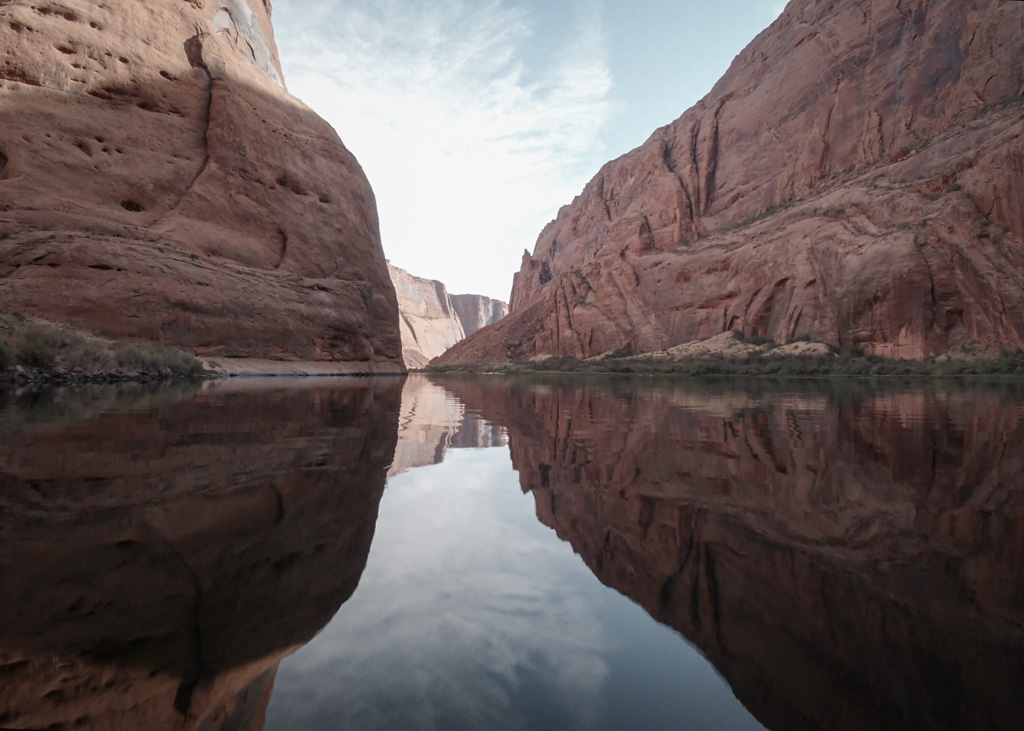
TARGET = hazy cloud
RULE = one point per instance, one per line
(470, 136)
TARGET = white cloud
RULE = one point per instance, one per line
(470, 140)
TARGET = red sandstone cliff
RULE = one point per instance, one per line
(428, 322)
(431, 321)
(158, 181)
(857, 177)
(477, 312)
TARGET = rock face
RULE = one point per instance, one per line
(162, 554)
(158, 181)
(857, 177)
(429, 324)
(432, 321)
(477, 312)
(847, 560)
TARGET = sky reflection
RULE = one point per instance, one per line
(471, 614)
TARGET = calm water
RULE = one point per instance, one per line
(498, 553)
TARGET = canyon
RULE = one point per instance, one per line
(856, 178)
(432, 321)
(157, 181)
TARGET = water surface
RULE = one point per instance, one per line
(510, 553)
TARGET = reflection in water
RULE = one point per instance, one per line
(161, 551)
(846, 559)
(432, 422)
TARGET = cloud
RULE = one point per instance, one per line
(472, 134)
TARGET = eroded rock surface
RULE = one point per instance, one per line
(847, 560)
(432, 321)
(477, 312)
(856, 177)
(429, 324)
(162, 553)
(158, 181)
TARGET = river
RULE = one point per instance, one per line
(499, 552)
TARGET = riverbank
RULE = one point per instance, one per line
(731, 355)
(260, 368)
(39, 352)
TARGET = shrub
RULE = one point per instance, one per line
(140, 355)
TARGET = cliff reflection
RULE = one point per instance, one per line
(431, 422)
(160, 554)
(847, 559)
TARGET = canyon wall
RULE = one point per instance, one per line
(212, 535)
(432, 321)
(158, 181)
(848, 559)
(856, 177)
(477, 312)
(428, 323)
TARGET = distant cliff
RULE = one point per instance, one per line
(856, 178)
(432, 321)
(477, 312)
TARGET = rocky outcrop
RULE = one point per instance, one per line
(856, 177)
(432, 321)
(477, 312)
(158, 181)
(162, 552)
(429, 324)
(847, 560)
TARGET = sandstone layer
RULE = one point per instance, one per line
(428, 323)
(432, 321)
(477, 312)
(161, 552)
(847, 560)
(855, 178)
(158, 181)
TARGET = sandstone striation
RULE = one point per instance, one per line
(158, 181)
(432, 321)
(429, 324)
(855, 178)
(162, 552)
(477, 312)
(847, 560)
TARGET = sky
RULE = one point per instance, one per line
(476, 120)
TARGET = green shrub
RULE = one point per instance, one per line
(140, 355)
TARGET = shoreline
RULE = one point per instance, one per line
(217, 368)
(1009, 365)
(213, 369)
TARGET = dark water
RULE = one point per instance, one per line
(513, 554)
